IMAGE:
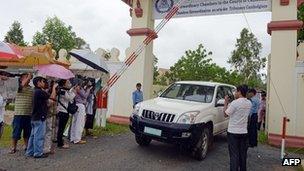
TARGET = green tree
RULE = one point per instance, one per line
(163, 80)
(58, 34)
(39, 39)
(301, 18)
(195, 65)
(246, 59)
(155, 69)
(15, 34)
(80, 42)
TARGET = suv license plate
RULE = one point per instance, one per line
(152, 131)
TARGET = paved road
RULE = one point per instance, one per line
(122, 153)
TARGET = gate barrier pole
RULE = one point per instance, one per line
(285, 120)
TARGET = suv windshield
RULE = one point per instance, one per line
(190, 92)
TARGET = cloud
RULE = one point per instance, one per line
(104, 23)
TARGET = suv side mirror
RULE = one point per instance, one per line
(220, 102)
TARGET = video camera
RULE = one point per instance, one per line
(83, 81)
(7, 74)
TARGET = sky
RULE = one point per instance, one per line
(103, 24)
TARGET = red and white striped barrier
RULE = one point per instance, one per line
(141, 47)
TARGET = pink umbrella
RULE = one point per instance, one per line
(54, 70)
(9, 51)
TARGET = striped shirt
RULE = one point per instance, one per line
(23, 101)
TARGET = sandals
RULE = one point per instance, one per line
(81, 142)
(13, 151)
(65, 146)
(49, 153)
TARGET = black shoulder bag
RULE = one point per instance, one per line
(72, 107)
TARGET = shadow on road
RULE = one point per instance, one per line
(164, 151)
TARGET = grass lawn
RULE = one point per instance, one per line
(295, 150)
(6, 137)
(262, 137)
(111, 129)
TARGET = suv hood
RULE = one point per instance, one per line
(173, 106)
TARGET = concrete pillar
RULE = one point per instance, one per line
(283, 79)
(142, 68)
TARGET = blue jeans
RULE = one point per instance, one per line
(36, 141)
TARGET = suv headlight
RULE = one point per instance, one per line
(188, 117)
(136, 109)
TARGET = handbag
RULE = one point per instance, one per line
(72, 107)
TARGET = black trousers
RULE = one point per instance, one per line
(89, 121)
(253, 130)
(238, 145)
(63, 120)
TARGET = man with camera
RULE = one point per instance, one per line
(78, 122)
(66, 95)
(23, 109)
(41, 98)
(237, 133)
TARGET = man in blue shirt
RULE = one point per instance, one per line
(137, 95)
(253, 121)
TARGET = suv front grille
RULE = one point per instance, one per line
(165, 117)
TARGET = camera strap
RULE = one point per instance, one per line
(61, 103)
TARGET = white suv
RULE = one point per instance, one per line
(188, 113)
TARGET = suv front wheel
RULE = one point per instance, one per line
(201, 148)
(142, 140)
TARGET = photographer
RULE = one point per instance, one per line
(91, 111)
(237, 134)
(23, 109)
(65, 95)
(48, 145)
(41, 98)
(82, 93)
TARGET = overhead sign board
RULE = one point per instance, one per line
(210, 7)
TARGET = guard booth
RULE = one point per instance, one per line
(285, 72)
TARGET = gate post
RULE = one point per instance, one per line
(282, 87)
(142, 68)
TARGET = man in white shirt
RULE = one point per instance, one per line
(238, 112)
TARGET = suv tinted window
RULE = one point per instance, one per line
(222, 91)
(229, 91)
(190, 92)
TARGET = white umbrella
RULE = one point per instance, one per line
(91, 59)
